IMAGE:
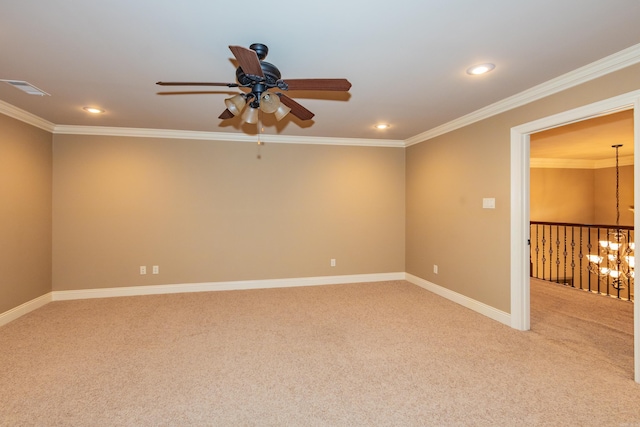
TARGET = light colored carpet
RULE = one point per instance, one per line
(371, 354)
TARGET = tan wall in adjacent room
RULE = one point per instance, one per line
(25, 213)
(207, 211)
(582, 196)
(562, 195)
(449, 175)
(605, 195)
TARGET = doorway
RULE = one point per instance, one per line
(520, 192)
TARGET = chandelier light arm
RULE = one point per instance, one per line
(616, 259)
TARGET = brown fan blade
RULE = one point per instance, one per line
(296, 109)
(196, 84)
(318, 84)
(248, 60)
(226, 114)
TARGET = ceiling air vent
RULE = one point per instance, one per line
(25, 87)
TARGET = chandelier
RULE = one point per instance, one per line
(615, 260)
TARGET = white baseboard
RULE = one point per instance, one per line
(25, 308)
(223, 286)
(465, 301)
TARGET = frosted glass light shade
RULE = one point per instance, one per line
(269, 102)
(282, 111)
(250, 115)
(235, 104)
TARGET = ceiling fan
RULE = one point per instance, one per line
(264, 80)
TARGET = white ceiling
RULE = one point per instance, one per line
(406, 59)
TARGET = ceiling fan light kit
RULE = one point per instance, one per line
(282, 111)
(250, 115)
(269, 102)
(235, 104)
(263, 81)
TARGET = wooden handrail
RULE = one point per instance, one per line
(571, 224)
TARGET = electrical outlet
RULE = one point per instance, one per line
(435, 268)
(333, 262)
(155, 269)
(143, 269)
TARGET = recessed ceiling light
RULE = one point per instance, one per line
(480, 69)
(382, 126)
(93, 110)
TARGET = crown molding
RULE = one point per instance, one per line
(539, 163)
(604, 66)
(24, 116)
(221, 136)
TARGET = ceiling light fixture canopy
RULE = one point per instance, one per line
(480, 69)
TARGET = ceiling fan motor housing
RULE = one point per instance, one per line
(259, 84)
(270, 71)
(260, 49)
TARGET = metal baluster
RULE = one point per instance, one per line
(557, 254)
(564, 253)
(608, 266)
(550, 252)
(631, 270)
(544, 254)
(537, 251)
(589, 251)
(580, 256)
(599, 248)
(573, 258)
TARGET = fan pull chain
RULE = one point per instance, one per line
(260, 130)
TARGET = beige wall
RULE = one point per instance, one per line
(25, 213)
(209, 211)
(583, 196)
(562, 195)
(448, 176)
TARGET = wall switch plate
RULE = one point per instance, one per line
(143, 269)
(489, 203)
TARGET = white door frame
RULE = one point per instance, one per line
(520, 298)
